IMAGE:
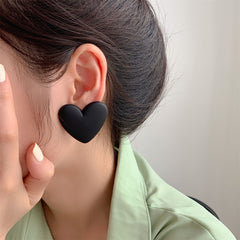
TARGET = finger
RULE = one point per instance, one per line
(41, 171)
(8, 125)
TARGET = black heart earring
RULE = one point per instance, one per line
(84, 124)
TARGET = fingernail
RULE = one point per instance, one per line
(2, 73)
(37, 153)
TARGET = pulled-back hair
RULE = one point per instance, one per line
(45, 34)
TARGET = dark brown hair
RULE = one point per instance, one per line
(45, 33)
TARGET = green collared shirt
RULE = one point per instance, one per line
(143, 207)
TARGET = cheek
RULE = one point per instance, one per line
(26, 132)
(55, 148)
(26, 123)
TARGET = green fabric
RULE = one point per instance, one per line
(143, 207)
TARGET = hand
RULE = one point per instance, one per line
(17, 195)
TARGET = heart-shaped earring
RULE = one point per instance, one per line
(84, 124)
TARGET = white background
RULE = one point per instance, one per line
(193, 139)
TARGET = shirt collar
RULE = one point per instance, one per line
(129, 217)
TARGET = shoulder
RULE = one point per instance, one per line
(173, 215)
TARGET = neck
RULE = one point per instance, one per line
(79, 195)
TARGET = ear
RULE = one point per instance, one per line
(87, 70)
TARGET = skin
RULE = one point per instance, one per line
(76, 200)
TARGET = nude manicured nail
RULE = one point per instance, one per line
(37, 153)
(2, 73)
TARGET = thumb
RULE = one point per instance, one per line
(41, 171)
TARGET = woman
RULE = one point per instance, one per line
(71, 174)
